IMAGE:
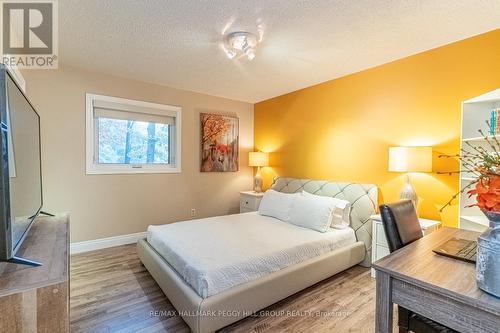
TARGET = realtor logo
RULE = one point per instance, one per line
(29, 33)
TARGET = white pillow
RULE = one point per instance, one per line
(341, 213)
(312, 212)
(277, 204)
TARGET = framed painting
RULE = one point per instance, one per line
(219, 143)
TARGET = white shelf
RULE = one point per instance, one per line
(469, 179)
(479, 219)
(480, 138)
(475, 113)
(492, 96)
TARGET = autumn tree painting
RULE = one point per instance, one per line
(219, 143)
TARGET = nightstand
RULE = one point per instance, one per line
(250, 201)
(380, 248)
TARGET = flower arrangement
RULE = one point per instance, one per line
(484, 165)
(488, 194)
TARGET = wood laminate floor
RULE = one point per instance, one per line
(112, 292)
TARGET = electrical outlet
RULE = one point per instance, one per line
(193, 212)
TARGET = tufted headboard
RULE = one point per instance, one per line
(363, 199)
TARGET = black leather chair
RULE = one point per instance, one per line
(401, 227)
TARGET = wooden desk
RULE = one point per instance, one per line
(437, 287)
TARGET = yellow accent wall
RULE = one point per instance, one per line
(341, 129)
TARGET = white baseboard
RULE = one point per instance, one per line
(103, 243)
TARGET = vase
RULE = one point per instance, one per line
(488, 256)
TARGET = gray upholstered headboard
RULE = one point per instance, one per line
(363, 199)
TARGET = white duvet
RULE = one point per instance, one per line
(218, 253)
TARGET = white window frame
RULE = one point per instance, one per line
(93, 168)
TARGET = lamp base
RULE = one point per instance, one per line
(408, 192)
(257, 181)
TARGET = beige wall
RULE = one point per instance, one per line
(111, 205)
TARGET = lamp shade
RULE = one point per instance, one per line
(410, 159)
(258, 159)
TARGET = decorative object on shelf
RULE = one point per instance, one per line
(258, 159)
(484, 165)
(219, 143)
(410, 159)
(494, 123)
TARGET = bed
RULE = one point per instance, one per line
(266, 267)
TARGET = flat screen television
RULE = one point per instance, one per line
(20, 168)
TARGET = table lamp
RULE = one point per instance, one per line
(410, 159)
(258, 159)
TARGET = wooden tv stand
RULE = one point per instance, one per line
(36, 299)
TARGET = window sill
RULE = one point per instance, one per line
(124, 171)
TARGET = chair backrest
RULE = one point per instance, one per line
(400, 223)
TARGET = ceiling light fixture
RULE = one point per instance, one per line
(240, 43)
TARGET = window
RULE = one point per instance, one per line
(126, 136)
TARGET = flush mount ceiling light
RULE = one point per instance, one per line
(240, 43)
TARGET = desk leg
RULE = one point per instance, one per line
(383, 309)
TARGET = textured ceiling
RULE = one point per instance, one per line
(176, 43)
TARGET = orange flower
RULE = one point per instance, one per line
(487, 193)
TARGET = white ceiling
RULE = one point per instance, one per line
(176, 43)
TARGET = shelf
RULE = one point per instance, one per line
(475, 112)
(489, 97)
(479, 219)
(480, 138)
(470, 179)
